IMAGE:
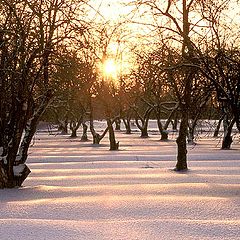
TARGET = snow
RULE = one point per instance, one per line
(80, 191)
(18, 169)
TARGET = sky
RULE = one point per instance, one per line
(110, 9)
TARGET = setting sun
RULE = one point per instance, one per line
(110, 68)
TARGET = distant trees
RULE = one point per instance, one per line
(74, 77)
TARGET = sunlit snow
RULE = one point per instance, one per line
(80, 191)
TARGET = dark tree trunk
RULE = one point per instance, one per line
(84, 137)
(96, 138)
(63, 127)
(216, 131)
(143, 128)
(12, 139)
(173, 115)
(164, 135)
(21, 172)
(3, 176)
(31, 128)
(181, 143)
(191, 135)
(113, 144)
(74, 133)
(191, 131)
(127, 123)
(29, 133)
(118, 124)
(144, 121)
(175, 122)
(227, 139)
(163, 132)
(74, 126)
(8, 176)
(144, 132)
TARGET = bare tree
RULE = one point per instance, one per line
(29, 36)
(221, 65)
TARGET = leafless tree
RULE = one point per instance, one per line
(30, 32)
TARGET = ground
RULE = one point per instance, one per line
(78, 191)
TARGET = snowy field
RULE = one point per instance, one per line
(78, 191)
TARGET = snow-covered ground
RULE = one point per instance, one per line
(82, 192)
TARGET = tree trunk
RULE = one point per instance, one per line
(181, 143)
(127, 123)
(74, 133)
(13, 137)
(118, 124)
(164, 135)
(191, 131)
(144, 132)
(29, 133)
(227, 139)
(163, 132)
(175, 122)
(31, 128)
(84, 137)
(172, 115)
(143, 128)
(74, 126)
(216, 132)
(190, 135)
(96, 138)
(3, 176)
(113, 144)
(144, 121)
(63, 127)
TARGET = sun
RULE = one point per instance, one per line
(110, 68)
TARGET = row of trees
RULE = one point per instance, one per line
(190, 63)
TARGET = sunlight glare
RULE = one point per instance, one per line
(110, 68)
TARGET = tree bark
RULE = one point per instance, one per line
(144, 132)
(127, 123)
(118, 124)
(163, 132)
(84, 137)
(3, 176)
(31, 128)
(175, 122)
(181, 143)
(227, 138)
(216, 131)
(96, 137)
(191, 131)
(74, 126)
(113, 144)
(63, 127)
(74, 133)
